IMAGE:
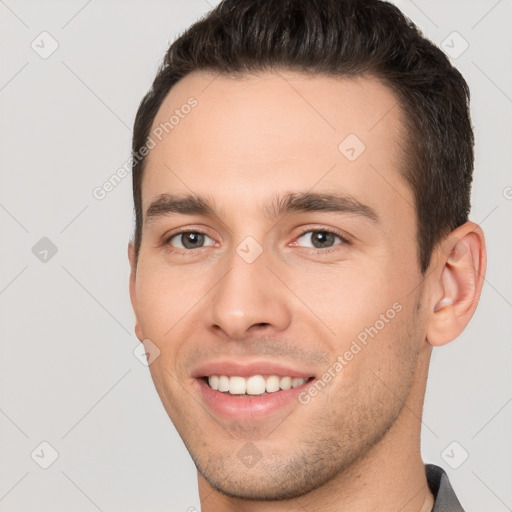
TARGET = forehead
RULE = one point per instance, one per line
(247, 138)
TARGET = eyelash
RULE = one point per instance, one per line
(344, 240)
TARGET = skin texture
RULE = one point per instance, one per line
(356, 444)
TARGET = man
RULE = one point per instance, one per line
(301, 178)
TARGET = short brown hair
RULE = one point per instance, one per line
(340, 38)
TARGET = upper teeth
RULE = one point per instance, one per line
(254, 385)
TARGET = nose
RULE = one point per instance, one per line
(248, 298)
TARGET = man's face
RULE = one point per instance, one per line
(241, 292)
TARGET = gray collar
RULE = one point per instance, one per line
(444, 496)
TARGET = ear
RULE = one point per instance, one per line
(133, 295)
(458, 286)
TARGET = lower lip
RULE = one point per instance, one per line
(249, 408)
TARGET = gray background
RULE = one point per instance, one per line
(68, 375)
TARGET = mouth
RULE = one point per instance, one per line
(254, 385)
(250, 392)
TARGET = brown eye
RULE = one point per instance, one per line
(320, 239)
(189, 240)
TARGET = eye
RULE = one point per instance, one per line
(189, 240)
(321, 239)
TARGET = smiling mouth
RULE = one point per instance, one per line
(255, 385)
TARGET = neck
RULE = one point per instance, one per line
(389, 478)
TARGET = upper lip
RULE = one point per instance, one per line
(232, 368)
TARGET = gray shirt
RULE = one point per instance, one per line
(444, 496)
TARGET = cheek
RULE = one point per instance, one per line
(377, 370)
(390, 343)
(165, 297)
(369, 314)
(169, 302)
(165, 300)
(347, 298)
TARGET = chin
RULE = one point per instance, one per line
(256, 488)
(268, 480)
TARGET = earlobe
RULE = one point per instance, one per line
(133, 295)
(459, 284)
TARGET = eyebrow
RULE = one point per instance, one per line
(290, 202)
